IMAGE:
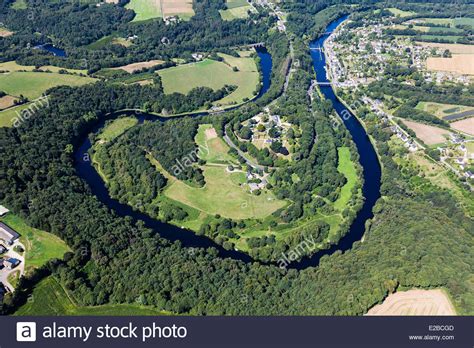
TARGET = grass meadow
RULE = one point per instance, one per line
(145, 9)
(215, 75)
(33, 84)
(40, 246)
(116, 128)
(50, 298)
(222, 195)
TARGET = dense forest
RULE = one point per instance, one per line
(417, 238)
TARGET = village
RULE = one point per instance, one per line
(359, 56)
(11, 255)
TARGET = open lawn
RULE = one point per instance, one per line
(415, 302)
(33, 84)
(223, 195)
(235, 13)
(346, 167)
(40, 246)
(458, 63)
(212, 148)
(50, 298)
(430, 135)
(116, 128)
(466, 126)
(145, 9)
(214, 74)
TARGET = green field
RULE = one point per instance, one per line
(215, 75)
(7, 116)
(50, 298)
(401, 13)
(346, 167)
(451, 21)
(13, 66)
(223, 195)
(448, 38)
(40, 246)
(116, 128)
(235, 9)
(33, 84)
(145, 9)
(213, 150)
(19, 5)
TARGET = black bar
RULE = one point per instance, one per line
(247, 332)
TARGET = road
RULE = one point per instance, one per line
(241, 153)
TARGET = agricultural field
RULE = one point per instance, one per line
(40, 246)
(7, 117)
(430, 135)
(13, 66)
(214, 74)
(50, 298)
(459, 63)
(7, 102)
(452, 22)
(150, 9)
(145, 9)
(447, 112)
(415, 302)
(428, 30)
(465, 126)
(33, 84)
(131, 68)
(116, 128)
(453, 48)
(235, 9)
(181, 8)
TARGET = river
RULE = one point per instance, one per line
(368, 159)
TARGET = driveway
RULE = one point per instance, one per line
(4, 272)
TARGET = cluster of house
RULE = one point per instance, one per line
(464, 161)
(256, 181)
(7, 236)
(171, 20)
(269, 122)
(408, 142)
(371, 53)
(276, 11)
